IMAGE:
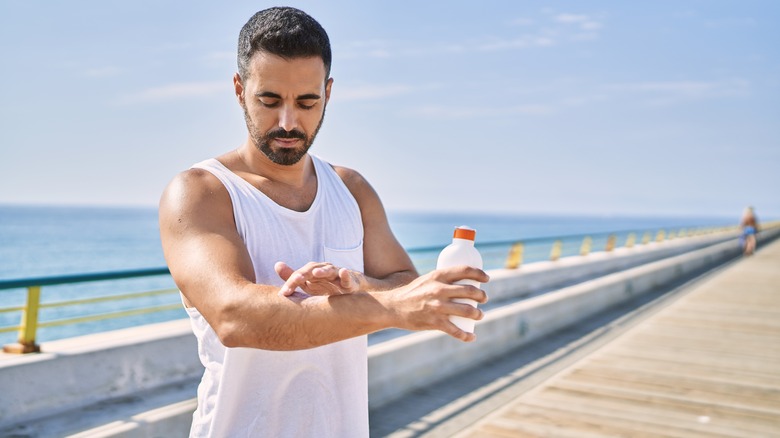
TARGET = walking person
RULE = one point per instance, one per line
(749, 226)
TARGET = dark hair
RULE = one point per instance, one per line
(282, 31)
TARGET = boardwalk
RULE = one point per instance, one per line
(705, 365)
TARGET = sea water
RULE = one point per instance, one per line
(38, 241)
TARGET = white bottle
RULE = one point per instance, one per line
(462, 252)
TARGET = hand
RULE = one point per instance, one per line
(426, 303)
(318, 279)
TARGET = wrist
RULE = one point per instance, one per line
(386, 314)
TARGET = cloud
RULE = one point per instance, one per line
(178, 91)
(571, 18)
(671, 92)
(585, 23)
(547, 32)
(449, 112)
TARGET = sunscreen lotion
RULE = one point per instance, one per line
(462, 252)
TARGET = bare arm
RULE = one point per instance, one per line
(386, 264)
(211, 266)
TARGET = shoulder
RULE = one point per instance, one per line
(194, 188)
(355, 182)
(349, 176)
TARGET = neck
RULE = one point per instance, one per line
(256, 162)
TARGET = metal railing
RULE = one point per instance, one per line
(29, 325)
(509, 254)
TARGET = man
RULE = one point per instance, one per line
(285, 263)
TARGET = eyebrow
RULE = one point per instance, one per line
(272, 95)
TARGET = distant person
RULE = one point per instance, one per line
(285, 262)
(749, 225)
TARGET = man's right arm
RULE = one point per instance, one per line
(211, 266)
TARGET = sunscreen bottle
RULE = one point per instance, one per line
(462, 252)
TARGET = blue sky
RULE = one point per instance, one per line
(601, 107)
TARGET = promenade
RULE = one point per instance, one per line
(673, 338)
(702, 360)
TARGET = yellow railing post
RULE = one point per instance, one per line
(630, 240)
(646, 238)
(587, 242)
(610, 243)
(555, 253)
(672, 235)
(515, 257)
(660, 236)
(29, 325)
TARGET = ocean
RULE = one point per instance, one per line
(39, 241)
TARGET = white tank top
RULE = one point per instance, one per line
(319, 392)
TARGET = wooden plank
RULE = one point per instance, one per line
(707, 365)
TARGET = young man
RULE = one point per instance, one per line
(285, 262)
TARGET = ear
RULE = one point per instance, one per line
(328, 85)
(238, 87)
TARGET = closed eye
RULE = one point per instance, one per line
(307, 103)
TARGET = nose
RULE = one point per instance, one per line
(288, 118)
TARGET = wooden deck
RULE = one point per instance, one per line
(706, 365)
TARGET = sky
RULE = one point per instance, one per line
(559, 107)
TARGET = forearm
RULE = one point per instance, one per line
(392, 281)
(301, 321)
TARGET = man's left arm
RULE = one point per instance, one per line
(386, 265)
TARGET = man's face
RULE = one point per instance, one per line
(284, 104)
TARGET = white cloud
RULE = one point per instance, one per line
(670, 92)
(584, 22)
(178, 91)
(570, 27)
(571, 18)
(449, 112)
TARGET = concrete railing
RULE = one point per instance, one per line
(80, 372)
(399, 366)
(508, 284)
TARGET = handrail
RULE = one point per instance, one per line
(517, 250)
(81, 278)
(541, 239)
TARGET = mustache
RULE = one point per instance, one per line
(282, 133)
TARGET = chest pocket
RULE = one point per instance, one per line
(350, 258)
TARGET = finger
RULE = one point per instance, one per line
(465, 291)
(283, 270)
(326, 272)
(453, 330)
(348, 280)
(475, 293)
(295, 280)
(465, 310)
(457, 273)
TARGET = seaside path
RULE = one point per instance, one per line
(701, 361)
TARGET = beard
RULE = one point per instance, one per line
(281, 156)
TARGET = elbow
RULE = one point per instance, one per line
(229, 334)
(234, 330)
(230, 331)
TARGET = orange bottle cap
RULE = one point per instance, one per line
(465, 233)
